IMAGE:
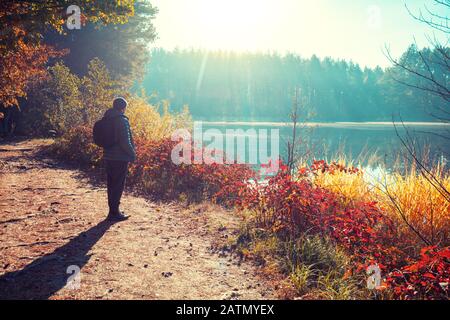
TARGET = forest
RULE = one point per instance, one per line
(31, 91)
(259, 87)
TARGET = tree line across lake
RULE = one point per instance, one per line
(260, 87)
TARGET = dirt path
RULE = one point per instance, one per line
(52, 218)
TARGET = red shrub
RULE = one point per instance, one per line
(428, 277)
(367, 235)
(155, 173)
(294, 206)
(298, 206)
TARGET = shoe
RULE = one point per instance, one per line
(117, 216)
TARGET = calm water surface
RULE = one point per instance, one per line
(357, 141)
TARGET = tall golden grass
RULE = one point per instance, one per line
(413, 200)
(408, 198)
(350, 187)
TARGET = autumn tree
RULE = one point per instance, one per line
(64, 100)
(35, 17)
(114, 44)
(21, 67)
(23, 56)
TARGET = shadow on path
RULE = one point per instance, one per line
(48, 274)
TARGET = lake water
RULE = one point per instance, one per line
(357, 141)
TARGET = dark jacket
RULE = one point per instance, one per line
(124, 149)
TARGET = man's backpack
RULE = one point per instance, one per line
(104, 133)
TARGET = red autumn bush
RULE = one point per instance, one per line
(291, 206)
(156, 174)
(288, 206)
(367, 235)
(428, 277)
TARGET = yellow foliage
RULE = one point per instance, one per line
(147, 122)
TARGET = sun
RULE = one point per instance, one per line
(230, 24)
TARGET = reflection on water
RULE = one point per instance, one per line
(367, 143)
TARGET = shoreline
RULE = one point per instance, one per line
(327, 124)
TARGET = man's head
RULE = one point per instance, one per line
(120, 104)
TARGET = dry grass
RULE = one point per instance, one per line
(409, 198)
(350, 187)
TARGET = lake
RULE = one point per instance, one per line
(358, 141)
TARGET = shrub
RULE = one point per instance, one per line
(427, 277)
(286, 205)
(155, 173)
(409, 200)
(77, 145)
(54, 104)
(149, 123)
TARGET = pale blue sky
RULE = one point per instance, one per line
(349, 29)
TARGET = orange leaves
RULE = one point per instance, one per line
(322, 166)
(23, 57)
(19, 68)
(427, 277)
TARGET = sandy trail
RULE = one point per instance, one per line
(52, 218)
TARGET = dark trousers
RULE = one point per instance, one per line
(116, 173)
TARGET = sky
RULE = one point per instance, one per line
(356, 30)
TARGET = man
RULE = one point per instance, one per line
(117, 157)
